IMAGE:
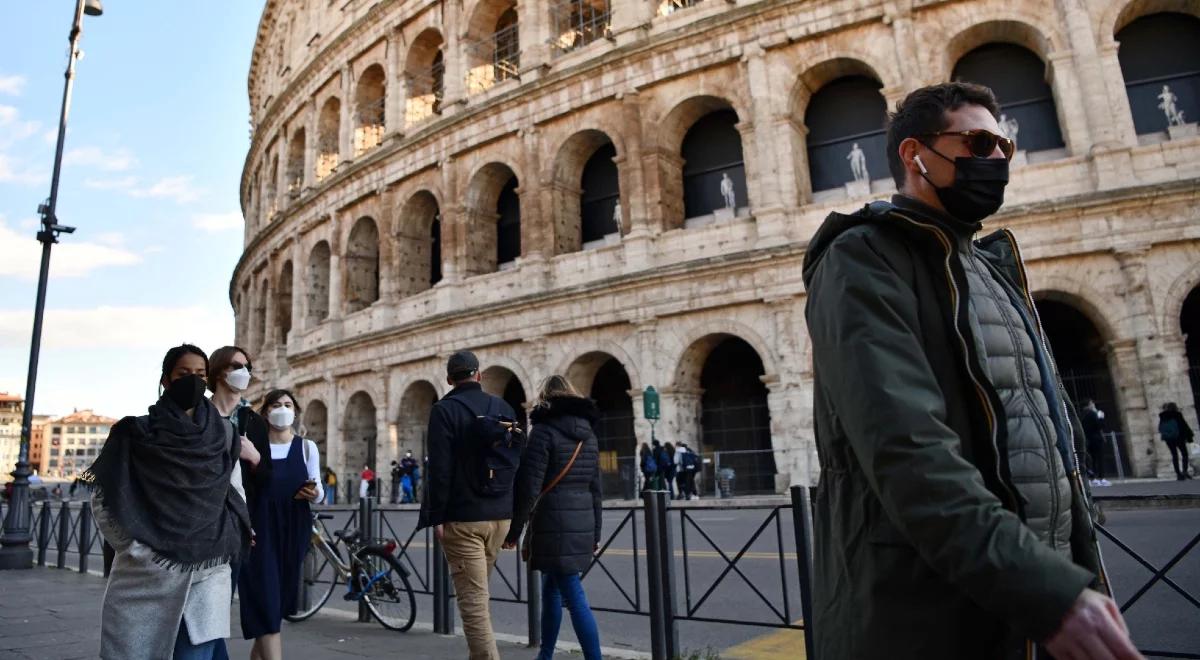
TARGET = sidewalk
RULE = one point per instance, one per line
(54, 614)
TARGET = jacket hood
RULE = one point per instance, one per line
(566, 406)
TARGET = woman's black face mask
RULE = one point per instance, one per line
(186, 391)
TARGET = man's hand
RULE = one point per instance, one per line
(508, 545)
(1092, 630)
(437, 532)
(249, 453)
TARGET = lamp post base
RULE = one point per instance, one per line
(18, 523)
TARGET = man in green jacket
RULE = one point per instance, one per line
(951, 518)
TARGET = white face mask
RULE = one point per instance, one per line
(281, 418)
(238, 380)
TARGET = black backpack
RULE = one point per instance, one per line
(495, 443)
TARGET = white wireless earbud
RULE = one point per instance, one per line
(920, 165)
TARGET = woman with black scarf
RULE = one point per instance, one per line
(166, 499)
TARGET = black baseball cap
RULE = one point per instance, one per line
(462, 364)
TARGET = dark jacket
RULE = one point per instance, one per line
(1185, 432)
(449, 496)
(1093, 426)
(566, 526)
(922, 547)
(253, 426)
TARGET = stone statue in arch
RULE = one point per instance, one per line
(727, 191)
(616, 217)
(858, 163)
(1167, 104)
(1009, 126)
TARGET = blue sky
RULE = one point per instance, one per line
(157, 134)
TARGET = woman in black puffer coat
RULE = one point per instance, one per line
(566, 523)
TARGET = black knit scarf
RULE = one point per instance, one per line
(165, 479)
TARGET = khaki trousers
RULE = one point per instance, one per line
(471, 549)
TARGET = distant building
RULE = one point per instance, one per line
(72, 443)
(11, 409)
(37, 442)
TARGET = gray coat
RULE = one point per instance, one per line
(144, 602)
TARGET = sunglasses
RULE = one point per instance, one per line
(234, 366)
(981, 143)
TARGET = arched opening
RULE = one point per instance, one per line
(1081, 355)
(362, 265)
(413, 422)
(318, 284)
(492, 45)
(847, 140)
(316, 428)
(577, 23)
(272, 195)
(503, 383)
(420, 235)
(1189, 325)
(1160, 61)
(493, 210)
(600, 198)
(358, 445)
(714, 172)
(1017, 76)
(735, 423)
(369, 102)
(295, 164)
(327, 137)
(260, 317)
(424, 73)
(283, 302)
(603, 378)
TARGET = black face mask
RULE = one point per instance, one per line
(187, 391)
(978, 188)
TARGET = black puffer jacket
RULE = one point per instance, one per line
(566, 525)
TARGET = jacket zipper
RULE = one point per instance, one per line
(1074, 454)
(956, 300)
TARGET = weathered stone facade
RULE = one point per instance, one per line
(342, 309)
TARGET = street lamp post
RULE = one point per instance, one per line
(14, 543)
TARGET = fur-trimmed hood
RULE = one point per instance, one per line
(565, 406)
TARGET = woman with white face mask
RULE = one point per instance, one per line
(270, 578)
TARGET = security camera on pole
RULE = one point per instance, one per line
(16, 552)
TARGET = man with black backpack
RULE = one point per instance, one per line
(475, 449)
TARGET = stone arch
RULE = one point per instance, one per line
(1157, 56)
(492, 200)
(491, 44)
(1084, 360)
(412, 420)
(580, 367)
(316, 427)
(259, 344)
(1004, 28)
(317, 285)
(575, 159)
(424, 74)
(1175, 297)
(839, 65)
(499, 380)
(359, 437)
(295, 163)
(362, 265)
(603, 378)
(699, 342)
(328, 130)
(726, 379)
(419, 235)
(271, 197)
(693, 189)
(1120, 14)
(283, 301)
(1188, 324)
(1081, 297)
(370, 99)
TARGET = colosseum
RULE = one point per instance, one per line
(622, 191)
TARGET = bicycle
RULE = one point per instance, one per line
(373, 575)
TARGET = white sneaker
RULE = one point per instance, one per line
(1105, 482)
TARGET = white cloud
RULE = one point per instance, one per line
(218, 222)
(119, 327)
(8, 114)
(20, 255)
(178, 188)
(111, 238)
(14, 171)
(12, 85)
(123, 183)
(118, 160)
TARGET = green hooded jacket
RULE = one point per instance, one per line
(920, 546)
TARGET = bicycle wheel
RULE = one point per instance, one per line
(390, 597)
(318, 577)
